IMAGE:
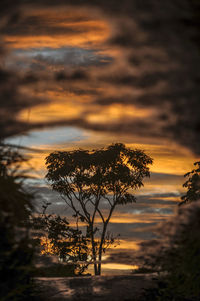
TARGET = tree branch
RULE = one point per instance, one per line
(107, 200)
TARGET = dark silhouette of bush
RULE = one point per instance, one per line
(16, 250)
(175, 256)
(55, 270)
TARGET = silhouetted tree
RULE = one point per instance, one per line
(193, 185)
(87, 180)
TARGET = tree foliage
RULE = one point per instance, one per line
(192, 185)
(91, 181)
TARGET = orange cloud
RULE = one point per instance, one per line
(57, 28)
(115, 112)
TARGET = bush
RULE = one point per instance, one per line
(16, 251)
(55, 270)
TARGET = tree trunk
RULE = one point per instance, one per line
(100, 248)
(94, 252)
(95, 269)
(94, 258)
(99, 269)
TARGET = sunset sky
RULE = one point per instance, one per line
(100, 74)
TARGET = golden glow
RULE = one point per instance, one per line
(116, 112)
(64, 105)
(128, 245)
(169, 158)
(67, 27)
(47, 246)
(55, 42)
(52, 112)
(118, 266)
(72, 109)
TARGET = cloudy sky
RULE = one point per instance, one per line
(87, 75)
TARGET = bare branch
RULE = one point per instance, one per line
(107, 198)
(101, 215)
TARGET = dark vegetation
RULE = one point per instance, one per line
(54, 270)
(16, 249)
(175, 256)
(193, 185)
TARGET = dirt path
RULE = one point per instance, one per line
(112, 288)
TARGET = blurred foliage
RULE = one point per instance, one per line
(192, 185)
(16, 250)
(176, 257)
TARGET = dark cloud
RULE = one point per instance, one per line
(159, 199)
(35, 24)
(79, 75)
(123, 257)
(13, 101)
(133, 231)
(158, 56)
(158, 175)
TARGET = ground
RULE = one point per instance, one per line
(93, 288)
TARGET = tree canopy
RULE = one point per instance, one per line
(90, 180)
